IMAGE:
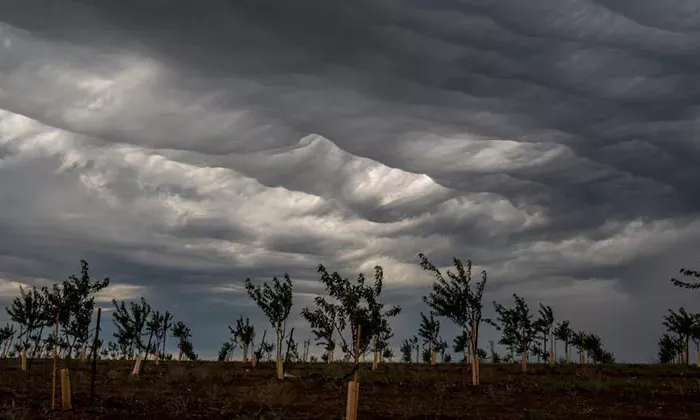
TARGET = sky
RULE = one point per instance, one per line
(181, 147)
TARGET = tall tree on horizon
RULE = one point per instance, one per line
(456, 299)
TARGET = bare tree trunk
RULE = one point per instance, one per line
(278, 363)
(375, 360)
(523, 362)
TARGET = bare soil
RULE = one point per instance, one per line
(229, 390)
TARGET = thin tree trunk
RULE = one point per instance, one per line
(475, 353)
(523, 362)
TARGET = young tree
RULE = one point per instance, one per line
(7, 334)
(183, 334)
(563, 333)
(243, 333)
(29, 311)
(578, 340)
(379, 317)
(388, 354)
(225, 351)
(167, 325)
(457, 300)
(544, 325)
(323, 320)
(429, 331)
(264, 349)
(461, 345)
(131, 325)
(276, 303)
(669, 348)
(406, 351)
(593, 346)
(74, 302)
(416, 347)
(358, 305)
(683, 324)
(517, 326)
(441, 347)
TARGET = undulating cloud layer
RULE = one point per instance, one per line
(181, 147)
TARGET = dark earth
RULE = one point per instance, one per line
(230, 390)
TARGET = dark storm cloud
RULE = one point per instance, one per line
(547, 128)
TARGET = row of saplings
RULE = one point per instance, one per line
(681, 327)
(355, 305)
(59, 320)
(351, 308)
(142, 330)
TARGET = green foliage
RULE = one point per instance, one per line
(461, 343)
(518, 329)
(30, 312)
(131, 324)
(406, 351)
(544, 325)
(426, 355)
(670, 348)
(593, 346)
(456, 298)
(243, 333)
(694, 275)
(157, 328)
(563, 332)
(265, 349)
(183, 334)
(683, 324)
(388, 354)
(225, 351)
(74, 302)
(7, 333)
(323, 324)
(276, 303)
(357, 304)
(429, 331)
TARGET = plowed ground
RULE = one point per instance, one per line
(221, 390)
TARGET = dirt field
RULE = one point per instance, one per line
(214, 390)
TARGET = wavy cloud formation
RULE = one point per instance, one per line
(181, 148)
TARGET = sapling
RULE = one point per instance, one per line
(429, 331)
(243, 334)
(458, 300)
(276, 303)
(563, 333)
(519, 330)
(356, 305)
